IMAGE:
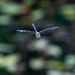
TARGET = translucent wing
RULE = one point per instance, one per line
(48, 30)
(26, 31)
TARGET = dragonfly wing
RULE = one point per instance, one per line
(26, 31)
(48, 30)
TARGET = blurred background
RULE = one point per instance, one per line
(23, 54)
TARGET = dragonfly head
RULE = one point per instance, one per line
(38, 35)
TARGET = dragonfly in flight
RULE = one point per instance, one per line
(40, 33)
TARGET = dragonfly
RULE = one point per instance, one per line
(40, 33)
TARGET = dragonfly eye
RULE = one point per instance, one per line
(38, 36)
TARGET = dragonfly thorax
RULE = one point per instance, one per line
(38, 35)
